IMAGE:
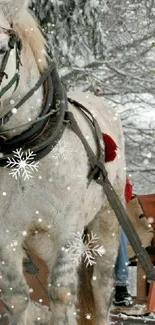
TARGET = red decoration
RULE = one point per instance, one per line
(128, 191)
(110, 148)
(110, 155)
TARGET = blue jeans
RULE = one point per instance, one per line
(121, 266)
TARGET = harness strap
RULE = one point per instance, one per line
(43, 136)
(12, 42)
(3, 66)
(15, 79)
(95, 127)
(44, 76)
(99, 174)
(76, 129)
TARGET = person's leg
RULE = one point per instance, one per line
(122, 297)
(121, 266)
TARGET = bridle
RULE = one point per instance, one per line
(13, 42)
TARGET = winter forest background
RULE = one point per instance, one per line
(108, 46)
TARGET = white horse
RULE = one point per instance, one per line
(46, 210)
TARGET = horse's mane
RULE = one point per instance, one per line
(29, 32)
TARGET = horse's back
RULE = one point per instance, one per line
(110, 124)
(106, 117)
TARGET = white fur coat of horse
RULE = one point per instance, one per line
(48, 209)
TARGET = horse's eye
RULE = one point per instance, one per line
(2, 50)
(141, 216)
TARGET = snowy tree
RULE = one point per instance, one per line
(71, 26)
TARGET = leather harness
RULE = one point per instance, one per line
(47, 129)
(45, 132)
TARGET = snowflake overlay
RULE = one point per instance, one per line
(84, 247)
(63, 151)
(22, 164)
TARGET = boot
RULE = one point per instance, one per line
(122, 297)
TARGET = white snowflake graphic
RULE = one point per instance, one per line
(63, 151)
(84, 246)
(22, 164)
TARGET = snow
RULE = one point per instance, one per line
(84, 248)
(22, 164)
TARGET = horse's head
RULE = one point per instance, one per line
(4, 34)
(7, 51)
(22, 49)
(15, 18)
(9, 13)
(5, 45)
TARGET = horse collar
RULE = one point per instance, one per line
(44, 132)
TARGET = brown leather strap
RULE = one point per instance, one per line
(56, 102)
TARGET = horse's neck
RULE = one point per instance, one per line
(29, 75)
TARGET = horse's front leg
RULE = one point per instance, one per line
(14, 289)
(107, 229)
(63, 289)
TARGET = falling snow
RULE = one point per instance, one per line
(63, 151)
(84, 247)
(22, 164)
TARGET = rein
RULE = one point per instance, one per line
(12, 42)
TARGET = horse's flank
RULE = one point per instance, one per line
(29, 32)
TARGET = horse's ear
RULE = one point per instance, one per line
(13, 8)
